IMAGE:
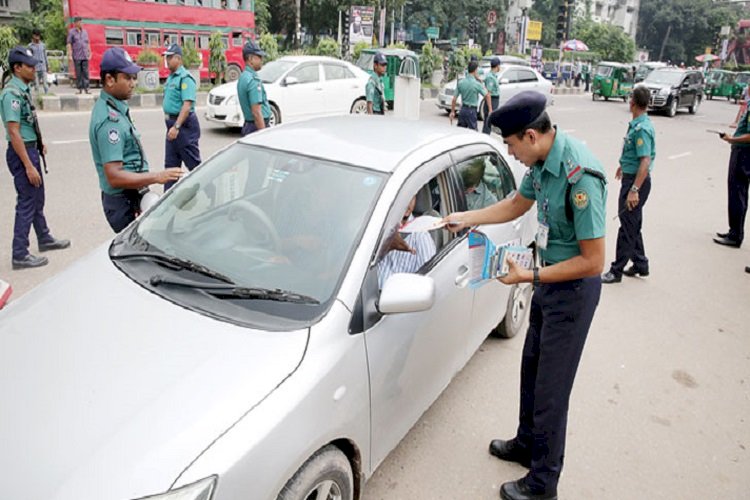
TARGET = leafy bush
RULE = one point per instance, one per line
(190, 56)
(327, 47)
(397, 45)
(8, 40)
(270, 46)
(217, 60)
(358, 48)
(55, 65)
(148, 57)
(429, 61)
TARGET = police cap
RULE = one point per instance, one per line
(520, 111)
(252, 48)
(23, 55)
(495, 62)
(173, 50)
(116, 59)
(379, 59)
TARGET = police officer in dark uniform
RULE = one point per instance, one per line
(251, 92)
(183, 129)
(469, 88)
(23, 158)
(116, 146)
(569, 187)
(374, 91)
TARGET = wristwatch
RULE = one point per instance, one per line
(177, 126)
(536, 281)
(634, 189)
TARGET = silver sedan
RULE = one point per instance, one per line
(261, 332)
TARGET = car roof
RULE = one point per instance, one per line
(615, 64)
(366, 141)
(390, 52)
(298, 59)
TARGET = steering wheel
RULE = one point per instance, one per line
(242, 208)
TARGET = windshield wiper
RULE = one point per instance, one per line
(175, 263)
(230, 291)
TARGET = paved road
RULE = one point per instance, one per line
(662, 399)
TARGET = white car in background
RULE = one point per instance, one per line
(298, 87)
(513, 79)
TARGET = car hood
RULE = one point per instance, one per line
(225, 90)
(109, 392)
(658, 86)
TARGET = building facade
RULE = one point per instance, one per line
(9, 9)
(622, 13)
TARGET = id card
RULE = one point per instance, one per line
(542, 235)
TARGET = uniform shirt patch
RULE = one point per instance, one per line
(15, 104)
(113, 135)
(184, 86)
(581, 199)
(639, 142)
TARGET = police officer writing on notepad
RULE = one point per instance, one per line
(23, 159)
(116, 146)
(470, 88)
(250, 91)
(568, 185)
(183, 129)
(374, 91)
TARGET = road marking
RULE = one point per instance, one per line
(74, 141)
(681, 155)
(570, 130)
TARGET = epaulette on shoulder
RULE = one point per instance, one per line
(574, 172)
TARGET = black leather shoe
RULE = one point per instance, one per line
(722, 235)
(728, 242)
(53, 245)
(30, 261)
(610, 277)
(510, 451)
(517, 490)
(633, 271)
(747, 269)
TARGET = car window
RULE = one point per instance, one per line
(511, 75)
(337, 72)
(486, 179)
(525, 75)
(308, 73)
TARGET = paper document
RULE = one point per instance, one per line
(423, 224)
(488, 261)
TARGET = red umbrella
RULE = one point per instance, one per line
(707, 58)
(576, 45)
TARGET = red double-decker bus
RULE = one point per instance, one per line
(138, 24)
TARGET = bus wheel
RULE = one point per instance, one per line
(233, 73)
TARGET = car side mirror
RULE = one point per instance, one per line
(406, 293)
(291, 80)
(504, 81)
(685, 84)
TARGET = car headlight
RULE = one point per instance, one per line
(231, 100)
(199, 490)
(665, 91)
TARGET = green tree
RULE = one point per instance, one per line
(429, 61)
(8, 40)
(190, 56)
(47, 16)
(270, 46)
(546, 12)
(610, 42)
(262, 16)
(217, 59)
(328, 47)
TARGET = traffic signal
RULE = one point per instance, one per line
(345, 32)
(562, 22)
(472, 27)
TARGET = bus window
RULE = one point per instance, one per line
(170, 38)
(237, 39)
(186, 38)
(225, 41)
(113, 36)
(203, 38)
(153, 38)
(134, 38)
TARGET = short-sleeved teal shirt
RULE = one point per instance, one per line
(374, 91)
(743, 127)
(250, 91)
(470, 89)
(493, 87)
(180, 87)
(113, 138)
(15, 106)
(639, 142)
(548, 184)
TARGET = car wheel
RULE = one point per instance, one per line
(606, 98)
(593, 96)
(694, 108)
(672, 107)
(359, 107)
(517, 312)
(232, 73)
(275, 116)
(327, 475)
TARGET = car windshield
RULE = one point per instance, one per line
(365, 61)
(643, 72)
(743, 78)
(668, 77)
(272, 71)
(550, 66)
(266, 219)
(604, 70)
(715, 76)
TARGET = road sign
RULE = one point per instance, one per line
(433, 32)
(492, 18)
(534, 30)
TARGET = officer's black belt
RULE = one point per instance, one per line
(469, 107)
(28, 144)
(174, 117)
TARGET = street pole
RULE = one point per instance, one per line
(664, 42)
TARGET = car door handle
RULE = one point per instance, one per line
(462, 279)
(318, 88)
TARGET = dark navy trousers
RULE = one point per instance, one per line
(249, 127)
(629, 237)
(561, 314)
(29, 202)
(737, 186)
(121, 209)
(486, 126)
(467, 117)
(184, 149)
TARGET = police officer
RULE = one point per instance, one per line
(116, 146)
(493, 88)
(22, 157)
(375, 92)
(250, 90)
(738, 181)
(183, 129)
(636, 163)
(469, 88)
(569, 187)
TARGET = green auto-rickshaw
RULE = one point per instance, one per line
(395, 57)
(740, 83)
(612, 79)
(720, 83)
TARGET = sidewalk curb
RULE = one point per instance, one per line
(567, 90)
(85, 102)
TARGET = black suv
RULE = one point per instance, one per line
(673, 88)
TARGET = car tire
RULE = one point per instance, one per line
(517, 313)
(694, 108)
(593, 96)
(275, 116)
(232, 73)
(327, 475)
(672, 110)
(359, 107)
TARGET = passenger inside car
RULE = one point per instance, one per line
(478, 193)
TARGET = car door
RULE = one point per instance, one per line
(685, 92)
(303, 93)
(527, 80)
(341, 88)
(497, 183)
(413, 356)
(509, 85)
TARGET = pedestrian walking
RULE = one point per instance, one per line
(493, 87)
(39, 52)
(568, 185)
(25, 148)
(183, 128)
(374, 91)
(116, 147)
(251, 92)
(469, 88)
(79, 53)
(738, 181)
(634, 172)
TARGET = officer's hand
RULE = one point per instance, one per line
(34, 178)
(44, 149)
(169, 174)
(457, 221)
(633, 200)
(618, 173)
(515, 274)
(172, 133)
